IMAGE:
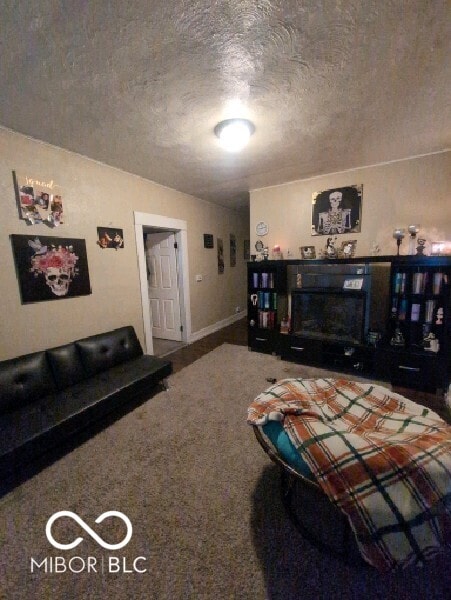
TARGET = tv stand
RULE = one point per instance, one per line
(337, 356)
(271, 284)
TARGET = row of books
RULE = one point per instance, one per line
(263, 280)
(419, 282)
(400, 308)
(266, 319)
(267, 300)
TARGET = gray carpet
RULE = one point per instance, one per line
(203, 499)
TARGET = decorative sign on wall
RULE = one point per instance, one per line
(220, 247)
(50, 268)
(39, 200)
(208, 240)
(109, 237)
(338, 210)
(232, 250)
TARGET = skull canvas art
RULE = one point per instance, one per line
(50, 268)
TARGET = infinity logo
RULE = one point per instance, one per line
(92, 533)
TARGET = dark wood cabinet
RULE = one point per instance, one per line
(267, 302)
(413, 292)
(416, 350)
(334, 356)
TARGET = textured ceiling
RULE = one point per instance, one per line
(140, 85)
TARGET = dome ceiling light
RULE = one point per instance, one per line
(234, 134)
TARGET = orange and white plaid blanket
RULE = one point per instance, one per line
(382, 459)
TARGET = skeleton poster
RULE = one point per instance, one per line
(338, 210)
(50, 268)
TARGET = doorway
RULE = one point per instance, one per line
(162, 284)
(164, 281)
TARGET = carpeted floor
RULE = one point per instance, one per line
(203, 499)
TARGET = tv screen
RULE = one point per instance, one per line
(329, 315)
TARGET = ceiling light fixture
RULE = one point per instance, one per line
(234, 134)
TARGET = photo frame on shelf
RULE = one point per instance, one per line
(441, 248)
(347, 249)
(308, 252)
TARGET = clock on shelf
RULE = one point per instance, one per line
(261, 228)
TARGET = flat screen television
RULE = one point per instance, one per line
(330, 315)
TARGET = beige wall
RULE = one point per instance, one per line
(97, 195)
(416, 191)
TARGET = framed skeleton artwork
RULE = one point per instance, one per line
(336, 211)
(50, 268)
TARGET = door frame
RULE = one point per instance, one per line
(179, 227)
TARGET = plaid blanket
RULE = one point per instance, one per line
(382, 459)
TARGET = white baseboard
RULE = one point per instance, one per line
(198, 335)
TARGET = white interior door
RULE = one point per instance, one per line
(164, 302)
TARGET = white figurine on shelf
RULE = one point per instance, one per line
(347, 250)
(331, 251)
(431, 343)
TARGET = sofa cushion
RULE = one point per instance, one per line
(101, 393)
(66, 365)
(106, 350)
(45, 423)
(23, 380)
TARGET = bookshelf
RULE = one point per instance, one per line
(414, 302)
(266, 302)
(417, 347)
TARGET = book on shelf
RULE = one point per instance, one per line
(419, 282)
(263, 280)
(399, 283)
(402, 310)
(415, 312)
(429, 310)
(438, 281)
(267, 300)
(266, 319)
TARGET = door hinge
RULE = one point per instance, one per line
(176, 245)
(181, 327)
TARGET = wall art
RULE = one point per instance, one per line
(232, 250)
(208, 240)
(39, 200)
(109, 237)
(50, 268)
(338, 210)
(220, 247)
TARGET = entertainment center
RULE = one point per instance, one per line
(383, 316)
